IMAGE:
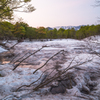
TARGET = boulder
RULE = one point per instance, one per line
(57, 89)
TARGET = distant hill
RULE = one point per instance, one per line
(65, 27)
(49, 28)
(69, 27)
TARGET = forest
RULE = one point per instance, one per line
(21, 30)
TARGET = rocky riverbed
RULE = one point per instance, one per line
(80, 82)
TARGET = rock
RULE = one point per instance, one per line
(57, 89)
(2, 73)
(69, 80)
(79, 86)
(92, 84)
(4, 90)
(85, 89)
(93, 98)
(68, 83)
(87, 77)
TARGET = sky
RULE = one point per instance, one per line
(52, 13)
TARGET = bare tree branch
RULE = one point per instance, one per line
(26, 58)
(34, 81)
(48, 61)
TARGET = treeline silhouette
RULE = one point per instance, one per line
(21, 30)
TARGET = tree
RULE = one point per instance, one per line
(60, 33)
(67, 33)
(50, 34)
(72, 33)
(19, 31)
(31, 33)
(7, 7)
(6, 29)
(54, 33)
(41, 31)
